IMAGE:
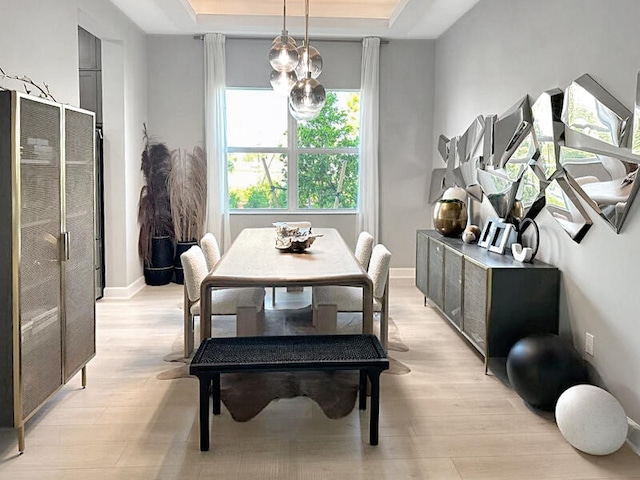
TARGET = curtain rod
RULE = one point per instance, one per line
(316, 39)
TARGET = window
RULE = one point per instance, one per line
(275, 163)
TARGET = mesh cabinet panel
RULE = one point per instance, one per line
(453, 286)
(475, 304)
(40, 324)
(79, 268)
(436, 274)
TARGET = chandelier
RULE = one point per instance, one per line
(295, 70)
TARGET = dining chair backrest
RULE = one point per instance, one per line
(379, 269)
(364, 246)
(211, 250)
(195, 269)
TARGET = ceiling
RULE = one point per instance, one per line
(327, 19)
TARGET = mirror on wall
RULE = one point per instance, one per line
(509, 130)
(571, 144)
(608, 184)
(549, 131)
(635, 137)
(565, 208)
(591, 110)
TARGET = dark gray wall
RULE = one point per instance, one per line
(489, 59)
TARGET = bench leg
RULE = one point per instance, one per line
(215, 390)
(205, 385)
(374, 376)
(246, 321)
(362, 393)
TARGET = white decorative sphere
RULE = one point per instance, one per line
(591, 419)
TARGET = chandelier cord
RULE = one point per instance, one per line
(306, 36)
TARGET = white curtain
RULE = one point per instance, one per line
(216, 138)
(367, 218)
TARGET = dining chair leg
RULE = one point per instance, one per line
(187, 326)
(246, 321)
(326, 318)
(273, 296)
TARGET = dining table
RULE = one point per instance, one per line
(253, 260)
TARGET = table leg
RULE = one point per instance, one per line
(215, 390)
(205, 384)
(367, 308)
(374, 377)
(362, 393)
(205, 310)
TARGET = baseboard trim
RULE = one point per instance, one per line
(633, 437)
(124, 292)
(402, 273)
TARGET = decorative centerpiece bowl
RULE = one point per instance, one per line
(294, 237)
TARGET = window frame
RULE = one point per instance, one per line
(292, 152)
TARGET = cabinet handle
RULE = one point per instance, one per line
(65, 245)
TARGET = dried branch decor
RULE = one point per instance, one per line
(154, 210)
(188, 194)
(43, 91)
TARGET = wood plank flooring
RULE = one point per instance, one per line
(446, 420)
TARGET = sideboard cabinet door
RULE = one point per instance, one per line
(453, 262)
(436, 272)
(475, 304)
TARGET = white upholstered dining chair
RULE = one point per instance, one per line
(329, 300)
(245, 303)
(364, 247)
(211, 250)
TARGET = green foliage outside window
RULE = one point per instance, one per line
(326, 179)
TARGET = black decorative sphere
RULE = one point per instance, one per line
(541, 367)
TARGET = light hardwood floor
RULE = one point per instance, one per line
(445, 420)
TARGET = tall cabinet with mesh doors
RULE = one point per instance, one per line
(47, 301)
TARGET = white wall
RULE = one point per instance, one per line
(499, 52)
(39, 39)
(176, 116)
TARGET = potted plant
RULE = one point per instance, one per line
(155, 243)
(188, 195)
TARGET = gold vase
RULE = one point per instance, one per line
(450, 217)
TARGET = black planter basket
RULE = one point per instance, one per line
(161, 269)
(181, 247)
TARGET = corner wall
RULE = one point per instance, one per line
(500, 51)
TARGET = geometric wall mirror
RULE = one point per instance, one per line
(443, 147)
(549, 130)
(471, 141)
(589, 109)
(565, 208)
(607, 184)
(520, 159)
(437, 185)
(530, 198)
(635, 141)
(510, 130)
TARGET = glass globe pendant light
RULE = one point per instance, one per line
(283, 55)
(281, 82)
(310, 61)
(307, 96)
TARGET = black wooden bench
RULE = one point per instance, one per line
(288, 353)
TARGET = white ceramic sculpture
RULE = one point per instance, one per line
(591, 419)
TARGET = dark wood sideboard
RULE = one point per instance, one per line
(491, 299)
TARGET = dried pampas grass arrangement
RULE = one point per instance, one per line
(188, 194)
(154, 208)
